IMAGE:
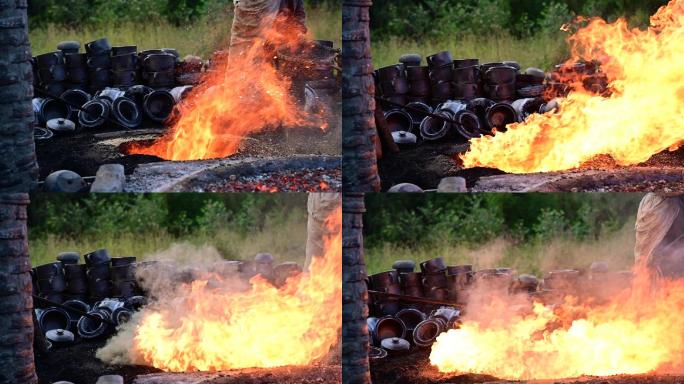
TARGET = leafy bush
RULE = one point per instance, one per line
(176, 214)
(426, 19)
(411, 221)
(94, 12)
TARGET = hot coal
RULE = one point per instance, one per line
(306, 180)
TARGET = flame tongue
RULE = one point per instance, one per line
(211, 329)
(642, 117)
(637, 333)
(241, 95)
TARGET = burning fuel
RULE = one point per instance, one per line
(240, 95)
(635, 330)
(214, 323)
(641, 116)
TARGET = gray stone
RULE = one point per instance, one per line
(110, 178)
(64, 181)
(405, 188)
(110, 379)
(452, 185)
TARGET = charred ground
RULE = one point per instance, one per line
(427, 164)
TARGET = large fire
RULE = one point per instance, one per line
(639, 330)
(642, 116)
(209, 329)
(241, 95)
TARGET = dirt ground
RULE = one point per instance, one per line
(79, 365)
(84, 152)
(426, 164)
(415, 368)
(283, 375)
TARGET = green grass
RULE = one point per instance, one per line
(543, 50)
(534, 256)
(200, 38)
(286, 241)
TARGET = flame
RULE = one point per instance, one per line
(642, 116)
(637, 331)
(241, 95)
(211, 330)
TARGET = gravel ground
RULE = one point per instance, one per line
(306, 180)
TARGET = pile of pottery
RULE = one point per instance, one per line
(462, 99)
(110, 86)
(103, 65)
(398, 324)
(90, 300)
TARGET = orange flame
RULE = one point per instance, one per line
(241, 95)
(642, 116)
(641, 331)
(211, 330)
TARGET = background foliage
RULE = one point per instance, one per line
(523, 30)
(93, 12)
(527, 231)
(196, 27)
(238, 225)
(522, 18)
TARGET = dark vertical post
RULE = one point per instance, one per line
(16, 321)
(360, 171)
(18, 166)
(355, 368)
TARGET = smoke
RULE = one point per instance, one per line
(162, 280)
(209, 314)
(535, 256)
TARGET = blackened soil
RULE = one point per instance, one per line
(426, 164)
(78, 364)
(84, 152)
(415, 368)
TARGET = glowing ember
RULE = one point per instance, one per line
(210, 329)
(638, 331)
(642, 116)
(240, 95)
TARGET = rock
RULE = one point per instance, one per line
(110, 379)
(405, 188)
(110, 178)
(452, 185)
(64, 181)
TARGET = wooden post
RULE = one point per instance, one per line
(16, 305)
(360, 171)
(355, 344)
(18, 165)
